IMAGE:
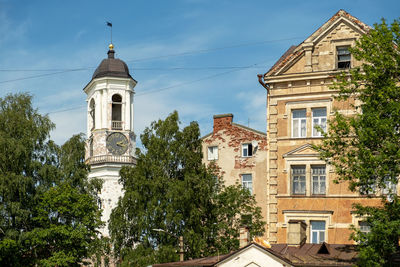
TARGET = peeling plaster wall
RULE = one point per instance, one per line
(229, 138)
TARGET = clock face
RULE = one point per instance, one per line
(117, 143)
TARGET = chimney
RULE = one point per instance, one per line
(297, 233)
(222, 121)
(244, 236)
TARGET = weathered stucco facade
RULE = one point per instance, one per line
(229, 146)
(300, 185)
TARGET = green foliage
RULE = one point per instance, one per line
(378, 246)
(48, 212)
(170, 189)
(365, 148)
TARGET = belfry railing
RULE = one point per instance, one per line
(116, 125)
(110, 158)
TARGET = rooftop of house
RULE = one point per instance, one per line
(305, 255)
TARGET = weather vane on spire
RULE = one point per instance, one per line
(109, 24)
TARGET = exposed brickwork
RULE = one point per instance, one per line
(229, 137)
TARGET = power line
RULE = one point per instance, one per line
(170, 87)
(214, 49)
(40, 75)
(164, 56)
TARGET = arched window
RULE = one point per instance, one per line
(92, 113)
(116, 112)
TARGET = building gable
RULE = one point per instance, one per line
(341, 27)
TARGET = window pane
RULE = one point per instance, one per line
(244, 150)
(321, 236)
(314, 237)
(319, 112)
(299, 113)
(303, 128)
(318, 225)
(295, 128)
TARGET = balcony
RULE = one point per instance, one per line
(110, 159)
(116, 125)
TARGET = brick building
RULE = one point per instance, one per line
(241, 154)
(303, 200)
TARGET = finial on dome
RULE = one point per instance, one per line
(111, 51)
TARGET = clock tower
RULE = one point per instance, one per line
(111, 139)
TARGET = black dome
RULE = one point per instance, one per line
(112, 67)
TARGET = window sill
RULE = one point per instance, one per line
(298, 138)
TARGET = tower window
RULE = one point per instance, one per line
(343, 57)
(116, 113)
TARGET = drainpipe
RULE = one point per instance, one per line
(260, 80)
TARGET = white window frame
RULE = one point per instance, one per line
(212, 152)
(315, 132)
(247, 150)
(318, 232)
(321, 180)
(298, 178)
(248, 184)
(364, 227)
(299, 121)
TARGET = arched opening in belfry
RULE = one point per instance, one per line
(92, 113)
(116, 112)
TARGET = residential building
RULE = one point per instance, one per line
(111, 139)
(300, 185)
(241, 156)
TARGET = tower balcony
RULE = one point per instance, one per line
(110, 159)
(116, 125)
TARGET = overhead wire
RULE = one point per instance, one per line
(172, 86)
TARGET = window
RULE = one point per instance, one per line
(367, 189)
(317, 232)
(116, 114)
(318, 119)
(299, 180)
(299, 128)
(364, 227)
(247, 182)
(343, 57)
(390, 188)
(212, 152)
(247, 150)
(318, 177)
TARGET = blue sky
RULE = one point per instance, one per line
(195, 56)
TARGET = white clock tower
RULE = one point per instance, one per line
(111, 139)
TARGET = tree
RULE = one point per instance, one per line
(48, 207)
(172, 190)
(365, 148)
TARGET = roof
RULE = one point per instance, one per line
(203, 262)
(295, 51)
(112, 67)
(240, 126)
(317, 254)
(306, 255)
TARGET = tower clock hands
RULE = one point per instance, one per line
(121, 144)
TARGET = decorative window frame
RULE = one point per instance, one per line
(308, 104)
(308, 161)
(307, 216)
